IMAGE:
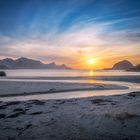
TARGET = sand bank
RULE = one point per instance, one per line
(13, 88)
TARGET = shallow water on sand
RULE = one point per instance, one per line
(78, 94)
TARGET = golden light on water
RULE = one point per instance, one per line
(91, 73)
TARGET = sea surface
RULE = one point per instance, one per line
(65, 73)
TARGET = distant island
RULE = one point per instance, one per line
(26, 63)
(124, 65)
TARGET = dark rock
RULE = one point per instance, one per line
(2, 73)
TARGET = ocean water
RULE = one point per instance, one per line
(65, 73)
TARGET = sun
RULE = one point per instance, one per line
(92, 61)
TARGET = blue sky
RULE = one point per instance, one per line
(49, 29)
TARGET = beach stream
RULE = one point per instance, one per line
(132, 87)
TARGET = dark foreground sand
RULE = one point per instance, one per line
(94, 118)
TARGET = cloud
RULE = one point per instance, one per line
(90, 38)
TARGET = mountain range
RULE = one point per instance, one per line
(26, 63)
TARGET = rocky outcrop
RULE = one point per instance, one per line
(122, 65)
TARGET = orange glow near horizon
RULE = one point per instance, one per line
(89, 59)
(101, 61)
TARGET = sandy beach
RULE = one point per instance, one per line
(25, 115)
(100, 118)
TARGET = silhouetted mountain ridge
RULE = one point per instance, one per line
(27, 63)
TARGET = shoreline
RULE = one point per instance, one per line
(103, 117)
